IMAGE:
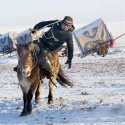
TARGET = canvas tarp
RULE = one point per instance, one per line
(24, 37)
(91, 35)
(7, 42)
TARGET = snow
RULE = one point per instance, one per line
(97, 98)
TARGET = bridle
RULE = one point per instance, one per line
(34, 59)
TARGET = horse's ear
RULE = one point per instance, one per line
(29, 43)
(16, 45)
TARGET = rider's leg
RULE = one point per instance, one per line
(45, 64)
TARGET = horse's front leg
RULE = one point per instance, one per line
(30, 96)
(29, 105)
(38, 90)
(24, 112)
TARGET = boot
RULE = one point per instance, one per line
(44, 71)
(48, 74)
(15, 69)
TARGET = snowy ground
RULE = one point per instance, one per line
(97, 98)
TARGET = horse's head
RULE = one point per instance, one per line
(26, 59)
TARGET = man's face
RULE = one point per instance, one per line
(65, 27)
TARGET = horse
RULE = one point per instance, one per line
(30, 79)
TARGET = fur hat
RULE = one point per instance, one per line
(68, 20)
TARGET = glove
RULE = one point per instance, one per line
(69, 63)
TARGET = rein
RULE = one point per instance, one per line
(35, 62)
(52, 24)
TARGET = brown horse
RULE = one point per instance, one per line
(28, 73)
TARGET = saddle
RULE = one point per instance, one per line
(44, 59)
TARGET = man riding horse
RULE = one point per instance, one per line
(52, 40)
(59, 32)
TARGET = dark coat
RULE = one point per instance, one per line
(55, 36)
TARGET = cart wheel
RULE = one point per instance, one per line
(92, 46)
(103, 50)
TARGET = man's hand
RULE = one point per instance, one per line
(69, 63)
(33, 31)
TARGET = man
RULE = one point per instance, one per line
(59, 32)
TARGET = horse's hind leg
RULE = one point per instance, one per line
(51, 85)
(38, 90)
(50, 96)
(55, 72)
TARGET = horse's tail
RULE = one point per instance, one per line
(63, 79)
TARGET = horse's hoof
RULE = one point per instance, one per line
(29, 112)
(23, 114)
(37, 100)
(50, 102)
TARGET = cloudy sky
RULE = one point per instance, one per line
(29, 12)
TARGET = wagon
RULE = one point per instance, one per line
(94, 37)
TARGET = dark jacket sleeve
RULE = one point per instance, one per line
(70, 46)
(44, 23)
